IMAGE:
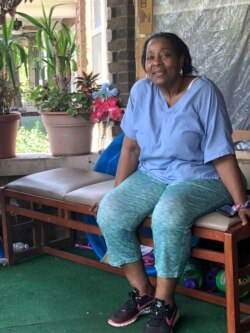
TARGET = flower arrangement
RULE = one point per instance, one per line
(95, 105)
(106, 106)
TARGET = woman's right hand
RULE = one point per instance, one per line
(244, 214)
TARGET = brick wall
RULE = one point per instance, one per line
(121, 47)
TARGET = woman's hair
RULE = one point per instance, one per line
(179, 47)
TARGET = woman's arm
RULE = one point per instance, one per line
(230, 174)
(128, 161)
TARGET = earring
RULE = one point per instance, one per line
(181, 72)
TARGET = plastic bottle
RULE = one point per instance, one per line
(192, 275)
(20, 246)
(3, 262)
(221, 282)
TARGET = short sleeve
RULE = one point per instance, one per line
(217, 140)
(127, 124)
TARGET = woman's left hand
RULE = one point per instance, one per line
(244, 214)
(94, 207)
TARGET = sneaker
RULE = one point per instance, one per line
(136, 306)
(162, 317)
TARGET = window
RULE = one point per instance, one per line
(97, 54)
(98, 57)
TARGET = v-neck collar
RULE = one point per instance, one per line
(169, 108)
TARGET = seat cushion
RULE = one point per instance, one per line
(87, 195)
(86, 187)
(216, 221)
(55, 183)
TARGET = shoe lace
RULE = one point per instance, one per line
(158, 312)
(134, 299)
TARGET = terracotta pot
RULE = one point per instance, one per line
(67, 135)
(8, 133)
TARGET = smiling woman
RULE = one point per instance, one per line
(178, 160)
(175, 76)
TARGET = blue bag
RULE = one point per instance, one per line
(108, 161)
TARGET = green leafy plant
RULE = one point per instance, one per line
(12, 57)
(7, 93)
(59, 45)
(52, 99)
(32, 141)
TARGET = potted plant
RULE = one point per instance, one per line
(91, 103)
(66, 116)
(55, 98)
(9, 121)
(12, 56)
(59, 106)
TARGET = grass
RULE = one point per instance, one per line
(32, 140)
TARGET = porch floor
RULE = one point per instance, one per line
(51, 295)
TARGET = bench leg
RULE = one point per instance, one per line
(232, 285)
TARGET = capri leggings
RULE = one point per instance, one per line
(174, 208)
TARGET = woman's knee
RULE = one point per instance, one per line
(106, 213)
(113, 217)
(170, 218)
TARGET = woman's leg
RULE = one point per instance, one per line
(173, 217)
(179, 206)
(122, 210)
(119, 214)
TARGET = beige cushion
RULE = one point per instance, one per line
(87, 195)
(216, 221)
(86, 187)
(55, 183)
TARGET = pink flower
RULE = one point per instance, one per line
(106, 109)
(116, 113)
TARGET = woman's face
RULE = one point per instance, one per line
(162, 64)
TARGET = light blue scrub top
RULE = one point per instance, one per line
(178, 142)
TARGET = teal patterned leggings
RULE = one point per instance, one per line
(174, 208)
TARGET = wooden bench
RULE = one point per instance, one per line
(61, 197)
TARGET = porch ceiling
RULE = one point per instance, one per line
(66, 10)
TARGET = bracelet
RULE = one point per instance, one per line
(236, 208)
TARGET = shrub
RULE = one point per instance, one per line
(32, 141)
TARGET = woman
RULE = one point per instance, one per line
(177, 163)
